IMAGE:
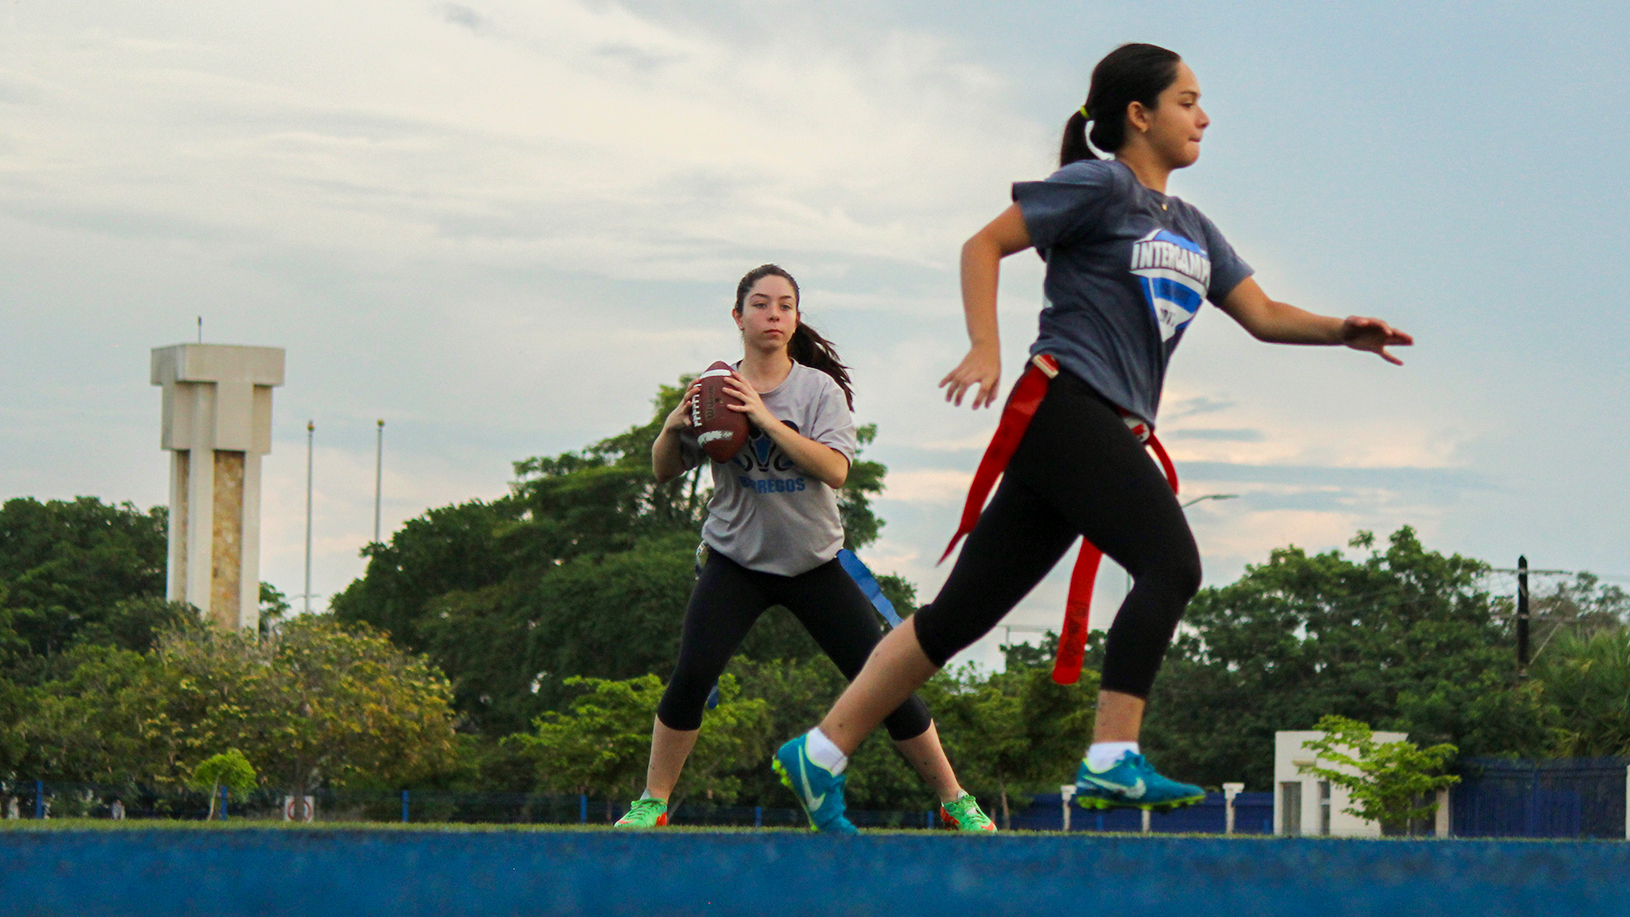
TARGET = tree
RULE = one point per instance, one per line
(603, 743)
(78, 571)
(1404, 637)
(229, 769)
(105, 721)
(448, 549)
(1391, 783)
(274, 605)
(1582, 607)
(1588, 678)
(583, 569)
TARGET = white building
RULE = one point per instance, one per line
(1307, 804)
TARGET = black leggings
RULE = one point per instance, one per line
(729, 598)
(1078, 471)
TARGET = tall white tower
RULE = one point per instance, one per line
(217, 425)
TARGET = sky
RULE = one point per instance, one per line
(499, 226)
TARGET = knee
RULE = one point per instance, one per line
(1173, 574)
(682, 702)
(1184, 573)
(909, 720)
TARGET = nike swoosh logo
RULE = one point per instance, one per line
(1135, 791)
(809, 792)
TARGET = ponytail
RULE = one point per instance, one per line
(1075, 148)
(1131, 73)
(807, 346)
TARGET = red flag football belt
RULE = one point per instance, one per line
(1021, 407)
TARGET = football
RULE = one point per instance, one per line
(720, 431)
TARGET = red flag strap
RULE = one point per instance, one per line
(1021, 407)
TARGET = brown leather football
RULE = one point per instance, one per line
(720, 431)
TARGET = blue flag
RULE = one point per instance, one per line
(868, 584)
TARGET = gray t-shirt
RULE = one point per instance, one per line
(766, 513)
(1127, 269)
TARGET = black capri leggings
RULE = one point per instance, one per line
(729, 598)
(1078, 471)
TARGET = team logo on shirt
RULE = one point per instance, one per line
(763, 456)
(1174, 273)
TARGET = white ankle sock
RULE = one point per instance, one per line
(1101, 756)
(822, 751)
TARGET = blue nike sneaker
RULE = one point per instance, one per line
(820, 793)
(1131, 783)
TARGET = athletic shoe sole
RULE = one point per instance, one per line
(1099, 802)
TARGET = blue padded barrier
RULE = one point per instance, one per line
(413, 873)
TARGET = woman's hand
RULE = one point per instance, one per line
(751, 404)
(1375, 336)
(679, 417)
(982, 367)
(667, 462)
(826, 464)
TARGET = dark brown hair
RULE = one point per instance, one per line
(1131, 73)
(806, 346)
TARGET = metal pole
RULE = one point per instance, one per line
(311, 429)
(379, 472)
(223, 803)
(39, 799)
(1522, 615)
(404, 806)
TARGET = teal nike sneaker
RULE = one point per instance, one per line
(1131, 783)
(820, 793)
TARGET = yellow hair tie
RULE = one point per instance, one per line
(1084, 113)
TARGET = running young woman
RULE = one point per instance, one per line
(773, 535)
(1127, 268)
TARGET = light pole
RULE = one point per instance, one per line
(1188, 503)
(379, 472)
(311, 429)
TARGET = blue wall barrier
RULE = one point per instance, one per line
(1559, 797)
(407, 873)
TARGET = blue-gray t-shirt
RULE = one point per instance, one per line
(1127, 269)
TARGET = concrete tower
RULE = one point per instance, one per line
(217, 425)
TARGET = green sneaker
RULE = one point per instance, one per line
(963, 814)
(644, 813)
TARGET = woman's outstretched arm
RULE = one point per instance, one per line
(981, 268)
(1282, 323)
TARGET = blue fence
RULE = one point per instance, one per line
(36, 799)
(1564, 797)
(1253, 814)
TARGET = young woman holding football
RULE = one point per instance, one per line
(1127, 268)
(772, 537)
